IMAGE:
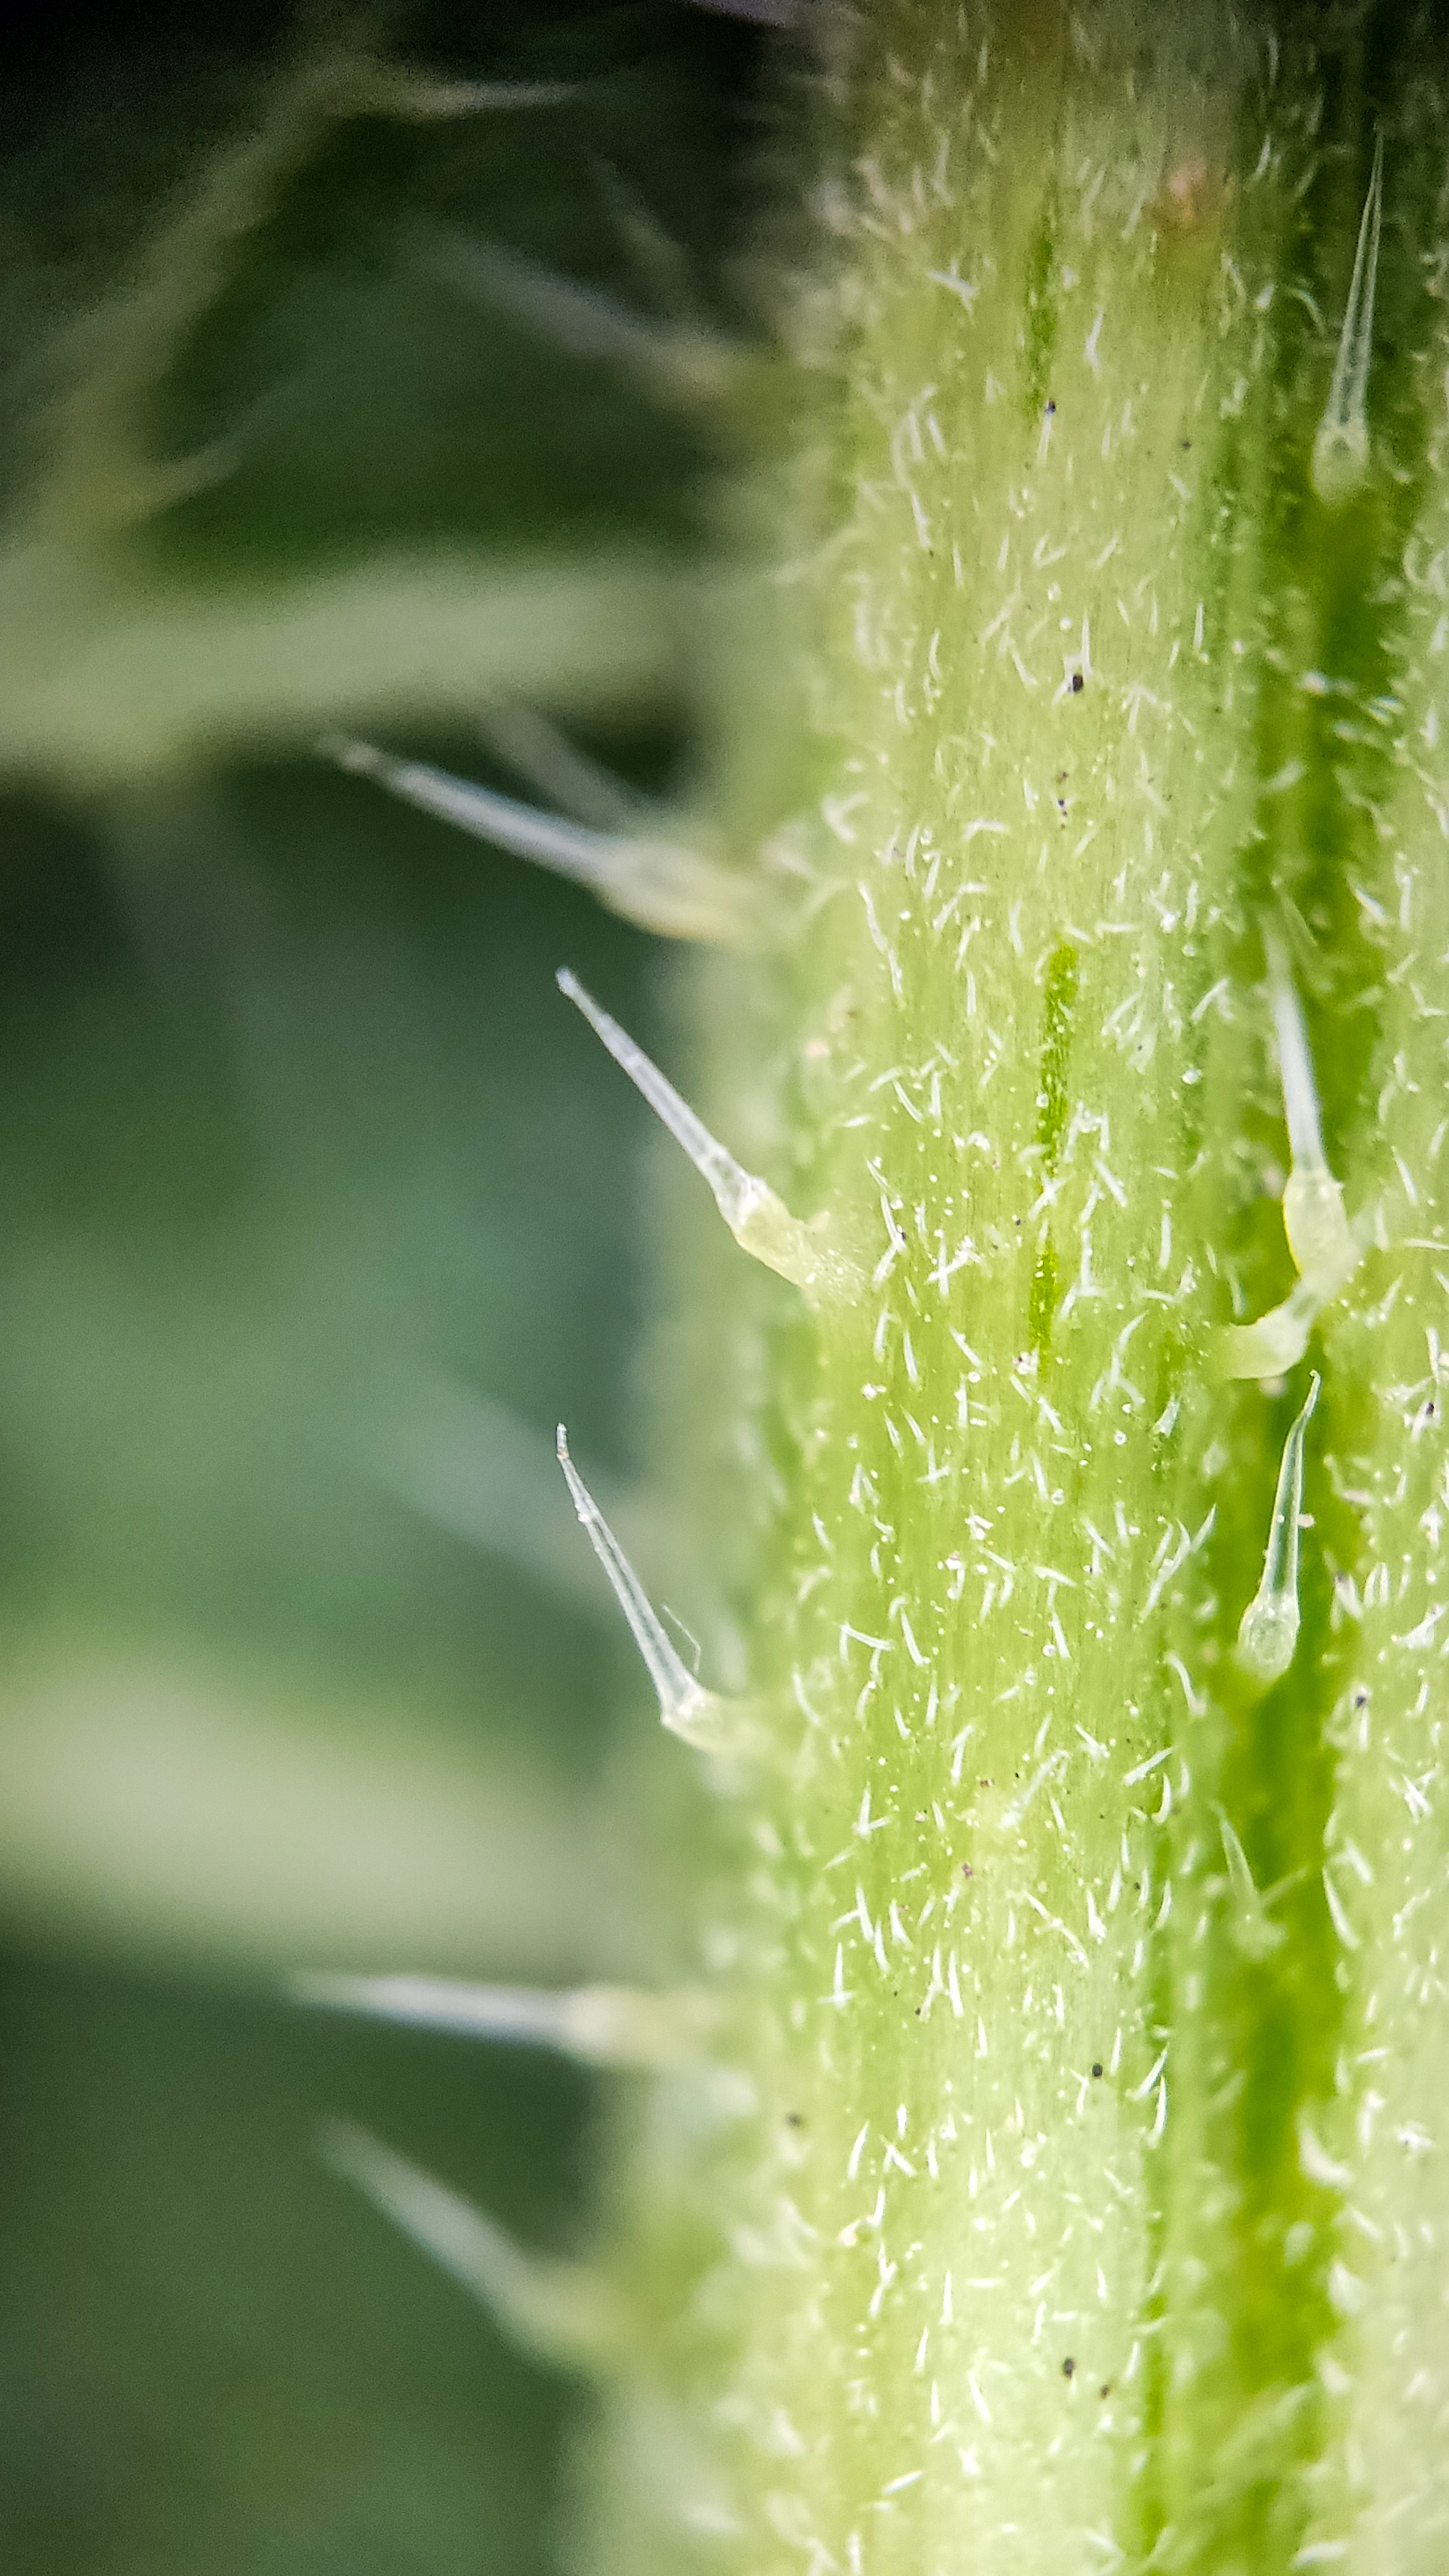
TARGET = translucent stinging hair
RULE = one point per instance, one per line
(685, 1707)
(558, 2311)
(597, 2025)
(1326, 1249)
(759, 1221)
(1318, 1231)
(1341, 448)
(1251, 1927)
(663, 888)
(1275, 1342)
(1268, 1630)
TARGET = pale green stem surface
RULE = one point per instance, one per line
(1093, 2208)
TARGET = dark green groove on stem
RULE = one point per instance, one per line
(1272, 2020)
(1040, 334)
(1059, 1001)
(1046, 1291)
(1308, 608)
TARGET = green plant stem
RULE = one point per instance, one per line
(1091, 2211)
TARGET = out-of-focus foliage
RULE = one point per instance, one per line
(315, 1213)
(316, 401)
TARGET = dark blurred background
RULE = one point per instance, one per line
(317, 1209)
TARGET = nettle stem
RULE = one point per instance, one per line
(1085, 1963)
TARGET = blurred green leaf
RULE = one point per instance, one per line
(318, 1211)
